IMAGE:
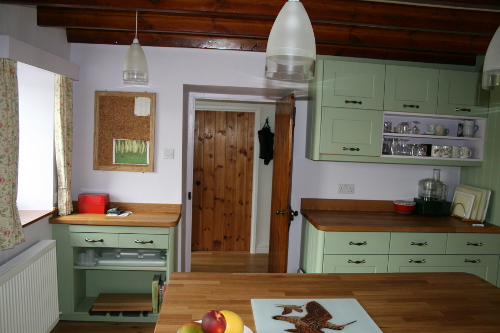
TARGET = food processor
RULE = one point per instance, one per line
(432, 194)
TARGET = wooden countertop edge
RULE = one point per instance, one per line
(143, 215)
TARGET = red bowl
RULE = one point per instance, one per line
(404, 207)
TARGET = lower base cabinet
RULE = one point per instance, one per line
(81, 284)
(399, 252)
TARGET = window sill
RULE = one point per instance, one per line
(31, 216)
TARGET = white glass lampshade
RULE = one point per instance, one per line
(491, 68)
(291, 47)
(135, 66)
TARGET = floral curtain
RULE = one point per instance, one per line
(63, 125)
(11, 230)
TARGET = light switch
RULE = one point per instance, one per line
(168, 153)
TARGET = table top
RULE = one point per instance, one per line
(397, 302)
(379, 216)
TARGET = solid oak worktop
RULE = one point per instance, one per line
(143, 215)
(379, 215)
(397, 302)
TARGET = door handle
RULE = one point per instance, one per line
(282, 212)
(198, 182)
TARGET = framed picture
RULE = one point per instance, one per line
(124, 131)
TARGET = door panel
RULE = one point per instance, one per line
(281, 188)
(222, 177)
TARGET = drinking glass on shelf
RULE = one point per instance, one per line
(415, 129)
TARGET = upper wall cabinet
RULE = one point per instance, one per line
(411, 89)
(353, 85)
(460, 94)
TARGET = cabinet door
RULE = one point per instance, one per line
(411, 89)
(351, 132)
(460, 94)
(484, 266)
(353, 85)
(364, 263)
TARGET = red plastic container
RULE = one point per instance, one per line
(97, 203)
(404, 207)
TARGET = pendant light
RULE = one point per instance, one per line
(491, 68)
(135, 66)
(291, 47)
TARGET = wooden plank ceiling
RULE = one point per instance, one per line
(439, 31)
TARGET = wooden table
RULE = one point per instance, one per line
(397, 302)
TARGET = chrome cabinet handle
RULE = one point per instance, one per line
(414, 106)
(358, 244)
(356, 261)
(94, 240)
(474, 244)
(354, 102)
(419, 244)
(473, 261)
(466, 110)
(416, 261)
(143, 242)
(351, 149)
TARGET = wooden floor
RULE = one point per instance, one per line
(201, 261)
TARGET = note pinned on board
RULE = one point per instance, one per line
(142, 106)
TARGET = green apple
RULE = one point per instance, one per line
(191, 328)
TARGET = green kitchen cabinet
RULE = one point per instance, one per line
(353, 85)
(460, 94)
(359, 263)
(80, 285)
(351, 131)
(411, 89)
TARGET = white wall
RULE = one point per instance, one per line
(170, 70)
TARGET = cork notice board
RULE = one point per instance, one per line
(124, 131)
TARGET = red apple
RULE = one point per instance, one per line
(213, 322)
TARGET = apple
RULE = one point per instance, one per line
(192, 327)
(213, 322)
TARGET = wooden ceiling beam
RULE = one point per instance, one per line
(231, 27)
(345, 11)
(259, 45)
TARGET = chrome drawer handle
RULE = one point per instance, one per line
(356, 261)
(473, 261)
(466, 110)
(410, 106)
(94, 240)
(416, 261)
(358, 244)
(143, 242)
(475, 244)
(354, 102)
(419, 244)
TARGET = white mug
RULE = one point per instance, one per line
(469, 128)
(465, 152)
(445, 151)
(455, 151)
(439, 130)
(436, 151)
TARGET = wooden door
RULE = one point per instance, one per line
(281, 188)
(222, 180)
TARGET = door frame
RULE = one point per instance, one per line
(191, 94)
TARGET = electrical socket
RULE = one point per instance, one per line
(346, 188)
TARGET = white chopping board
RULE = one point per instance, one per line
(462, 204)
(343, 311)
(484, 202)
(474, 215)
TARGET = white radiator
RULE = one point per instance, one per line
(28, 291)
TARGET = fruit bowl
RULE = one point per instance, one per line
(245, 329)
(404, 207)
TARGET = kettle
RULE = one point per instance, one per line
(432, 189)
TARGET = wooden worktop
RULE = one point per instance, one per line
(397, 302)
(379, 215)
(143, 215)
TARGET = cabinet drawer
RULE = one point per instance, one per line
(357, 242)
(484, 266)
(143, 241)
(365, 263)
(93, 239)
(473, 243)
(418, 243)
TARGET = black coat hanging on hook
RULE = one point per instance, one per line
(266, 140)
